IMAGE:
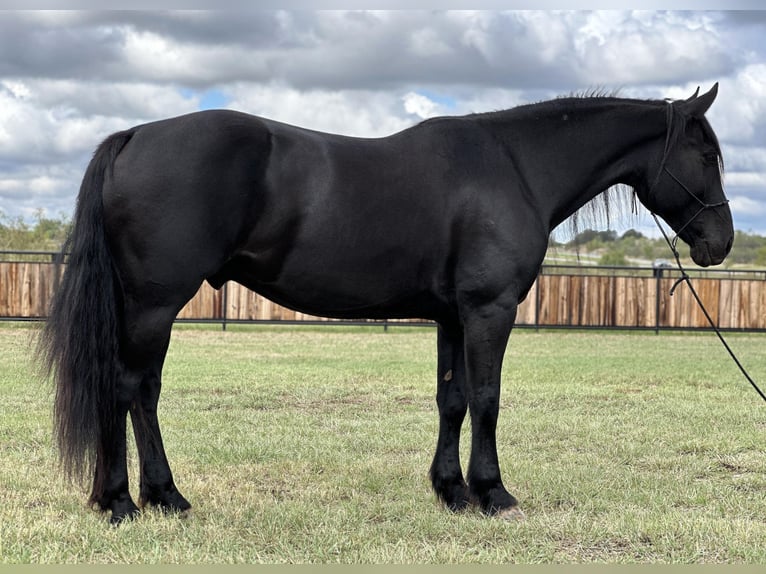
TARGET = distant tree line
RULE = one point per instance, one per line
(44, 234)
(613, 249)
(49, 234)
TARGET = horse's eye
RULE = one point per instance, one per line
(710, 158)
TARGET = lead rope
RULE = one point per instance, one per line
(686, 279)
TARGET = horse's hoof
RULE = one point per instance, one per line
(512, 514)
(120, 517)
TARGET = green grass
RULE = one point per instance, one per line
(313, 445)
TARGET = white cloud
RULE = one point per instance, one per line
(24, 130)
(49, 187)
(428, 42)
(745, 206)
(488, 100)
(17, 89)
(740, 116)
(419, 105)
(746, 179)
(630, 48)
(355, 113)
(743, 158)
(57, 119)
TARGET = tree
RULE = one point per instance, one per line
(593, 236)
(46, 234)
(614, 256)
(760, 256)
(632, 234)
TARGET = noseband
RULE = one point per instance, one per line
(664, 169)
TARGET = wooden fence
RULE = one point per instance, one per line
(644, 302)
(560, 298)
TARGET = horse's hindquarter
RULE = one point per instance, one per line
(177, 201)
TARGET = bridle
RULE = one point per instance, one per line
(664, 169)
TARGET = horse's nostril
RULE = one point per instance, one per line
(729, 244)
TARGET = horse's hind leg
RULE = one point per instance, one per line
(446, 474)
(148, 337)
(110, 482)
(143, 345)
(157, 485)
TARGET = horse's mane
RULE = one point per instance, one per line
(615, 203)
(591, 93)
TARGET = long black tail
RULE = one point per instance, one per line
(79, 344)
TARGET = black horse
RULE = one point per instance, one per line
(448, 220)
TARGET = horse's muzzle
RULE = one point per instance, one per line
(704, 254)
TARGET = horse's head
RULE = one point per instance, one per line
(686, 189)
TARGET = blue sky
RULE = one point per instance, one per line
(212, 99)
(83, 75)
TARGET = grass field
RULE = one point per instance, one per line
(313, 445)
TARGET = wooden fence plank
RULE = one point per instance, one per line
(525, 315)
(759, 301)
(206, 304)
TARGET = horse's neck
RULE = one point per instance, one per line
(572, 150)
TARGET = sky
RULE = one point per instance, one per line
(70, 78)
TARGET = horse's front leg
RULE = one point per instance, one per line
(446, 474)
(487, 329)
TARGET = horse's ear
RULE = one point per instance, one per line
(694, 95)
(696, 106)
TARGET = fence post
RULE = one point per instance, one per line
(224, 304)
(57, 258)
(658, 285)
(537, 301)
